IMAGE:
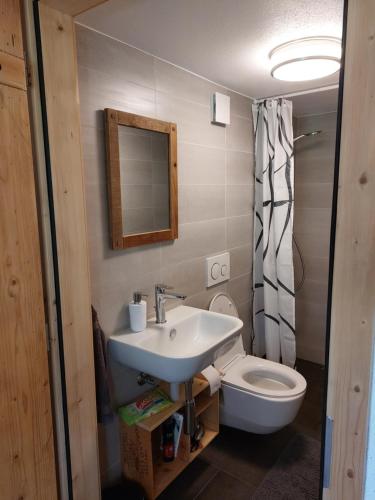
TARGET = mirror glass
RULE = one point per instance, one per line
(144, 174)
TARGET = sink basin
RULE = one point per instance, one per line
(178, 349)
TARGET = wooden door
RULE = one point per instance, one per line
(27, 466)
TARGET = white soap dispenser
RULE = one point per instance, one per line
(138, 312)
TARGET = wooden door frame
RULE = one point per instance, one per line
(68, 291)
(352, 311)
(347, 396)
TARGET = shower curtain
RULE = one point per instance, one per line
(273, 274)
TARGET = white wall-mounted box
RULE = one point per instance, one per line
(220, 109)
(218, 269)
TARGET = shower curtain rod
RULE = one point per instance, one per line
(302, 92)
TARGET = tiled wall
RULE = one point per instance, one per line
(215, 168)
(314, 166)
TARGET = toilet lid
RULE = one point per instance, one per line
(223, 304)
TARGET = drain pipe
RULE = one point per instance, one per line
(189, 427)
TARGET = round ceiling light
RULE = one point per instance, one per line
(306, 58)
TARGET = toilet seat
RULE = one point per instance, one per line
(264, 378)
(257, 376)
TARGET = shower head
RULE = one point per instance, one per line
(308, 134)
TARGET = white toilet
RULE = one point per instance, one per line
(258, 395)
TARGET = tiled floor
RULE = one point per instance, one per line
(235, 462)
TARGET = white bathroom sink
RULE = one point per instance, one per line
(178, 349)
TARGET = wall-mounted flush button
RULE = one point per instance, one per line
(218, 269)
(215, 271)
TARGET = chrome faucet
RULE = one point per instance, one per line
(160, 297)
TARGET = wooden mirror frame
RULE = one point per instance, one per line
(114, 118)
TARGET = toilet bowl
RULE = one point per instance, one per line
(258, 395)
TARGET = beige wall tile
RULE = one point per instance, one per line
(197, 203)
(314, 170)
(313, 220)
(240, 288)
(240, 135)
(195, 240)
(241, 259)
(316, 147)
(103, 90)
(111, 57)
(240, 168)
(239, 105)
(193, 120)
(239, 230)
(317, 269)
(313, 244)
(326, 122)
(187, 277)
(239, 200)
(314, 166)
(314, 291)
(312, 314)
(310, 330)
(96, 210)
(313, 195)
(93, 148)
(172, 81)
(200, 165)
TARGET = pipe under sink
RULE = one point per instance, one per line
(189, 424)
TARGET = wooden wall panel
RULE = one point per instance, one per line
(12, 71)
(27, 463)
(60, 75)
(353, 306)
(11, 30)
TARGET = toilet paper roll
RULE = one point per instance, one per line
(213, 377)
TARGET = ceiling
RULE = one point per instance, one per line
(226, 41)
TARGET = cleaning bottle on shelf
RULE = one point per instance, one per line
(168, 440)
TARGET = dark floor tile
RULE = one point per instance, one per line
(190, 482)
(246, 456)
(124, 489)
(311, 371)
(226, 487)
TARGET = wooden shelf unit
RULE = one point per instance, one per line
(141, 453)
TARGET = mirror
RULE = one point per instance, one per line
(142, 179)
